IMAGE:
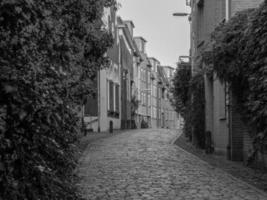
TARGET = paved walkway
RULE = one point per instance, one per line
(143, 164)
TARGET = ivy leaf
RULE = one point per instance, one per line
(2, 168)
(18, 9)
(10, 88)
(22, 115)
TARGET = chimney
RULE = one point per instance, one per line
(130, 26)
(141, 44)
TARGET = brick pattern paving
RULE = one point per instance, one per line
(144, 164)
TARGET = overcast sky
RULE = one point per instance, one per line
(167, 36)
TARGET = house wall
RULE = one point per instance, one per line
(205, 17)
(105, 76)
(154, 104)
(238, 131)
(148, 93)
(143, 94)
(220, 128)
(209, 104)
(241, 141)
(238, 5)
(159, 105)
(218, 120)
(136, 90)
(155, 63)
(96, 110)
(144, 111)
(126, 59)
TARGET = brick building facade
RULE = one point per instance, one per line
(230, 136)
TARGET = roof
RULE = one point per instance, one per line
(126, 32)
(168, 67)
(137, 52)
(154, 59)
(140, 37)
(129, 21)
(162, 75)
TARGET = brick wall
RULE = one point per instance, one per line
(214, 13)
(205, 19)
(238, 5)
(238, 131)
(241, 140)
(247, 145)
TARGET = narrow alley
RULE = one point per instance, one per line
(145, 164)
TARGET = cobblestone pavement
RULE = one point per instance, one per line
(144, 165)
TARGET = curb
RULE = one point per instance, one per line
(177, 136)
(229, 175)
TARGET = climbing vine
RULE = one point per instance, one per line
(238, 56)
(197, 108)
(180, 89)
(188, 95)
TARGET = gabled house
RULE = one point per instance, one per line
(144, 83)
(173, 119)
(103, 111)
(163, 84)
(135, 87)
(127, 52)
(154, 80)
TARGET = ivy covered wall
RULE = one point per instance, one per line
(189, 101)
(238, 54)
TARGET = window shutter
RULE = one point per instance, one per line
(111, 96)
(117, 97)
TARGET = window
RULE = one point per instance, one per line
(155, 90)
(111, 96)
(144, 75)
(222, 102)
(107, 94)
(142, 98)
(149, 100)
(149, 79)
(117, 97)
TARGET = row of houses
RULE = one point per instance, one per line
(133, 92)
(229, 134)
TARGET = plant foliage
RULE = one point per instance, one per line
(189, 100)
(240, 58)
(197, 108)
(50, 51)
(181, 89)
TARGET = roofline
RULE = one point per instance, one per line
(129, 21)
(154, 59)
(167, 66)
(122, 25)
(140, 37)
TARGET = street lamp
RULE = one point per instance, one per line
(180, 14)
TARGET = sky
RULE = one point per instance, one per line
(168, 37)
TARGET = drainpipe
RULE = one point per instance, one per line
(99, 99)
(228, 9)
(228, 94)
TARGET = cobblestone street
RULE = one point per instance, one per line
(144, 164)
